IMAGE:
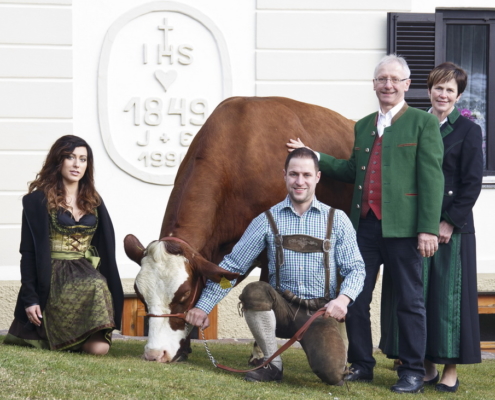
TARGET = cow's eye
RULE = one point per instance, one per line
(185, 296)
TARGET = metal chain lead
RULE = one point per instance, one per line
(208, 352)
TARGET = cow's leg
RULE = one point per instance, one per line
(184, 350)
(325, 350)
(257, 356)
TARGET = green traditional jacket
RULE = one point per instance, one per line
(412, 178)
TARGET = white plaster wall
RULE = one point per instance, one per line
(322, 52)
(35, 104)
(484, 219)
(362, 5)
(231, 324)
(427, 6)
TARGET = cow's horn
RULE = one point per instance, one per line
(133, 248)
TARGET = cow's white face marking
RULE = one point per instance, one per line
(160, 277)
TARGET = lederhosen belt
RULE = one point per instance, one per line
(302, 244)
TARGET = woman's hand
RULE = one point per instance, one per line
(446, 230)
(294, 144)
(34, 314)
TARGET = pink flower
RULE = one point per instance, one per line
(466, 113)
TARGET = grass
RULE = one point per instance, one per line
(27, 373)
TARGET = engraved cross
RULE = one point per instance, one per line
(165, 28)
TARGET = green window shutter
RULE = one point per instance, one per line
(412, 36)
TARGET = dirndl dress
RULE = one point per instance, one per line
(79, 303)
(450, 290)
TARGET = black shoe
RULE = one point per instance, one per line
(408, 384)
(268, 373)
(358, 375)
(433, 381)
(444, 388)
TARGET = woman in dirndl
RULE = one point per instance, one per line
(71, 295)
(450, 280)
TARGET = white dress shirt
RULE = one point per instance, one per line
(385, 120)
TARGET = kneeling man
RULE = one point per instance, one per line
(308, 243)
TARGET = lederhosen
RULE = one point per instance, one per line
(303, 244)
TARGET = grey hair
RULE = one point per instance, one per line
(394, 58)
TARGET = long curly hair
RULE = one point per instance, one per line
(49, 179)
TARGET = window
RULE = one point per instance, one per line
(465, 37)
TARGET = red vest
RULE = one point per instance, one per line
(372, 190)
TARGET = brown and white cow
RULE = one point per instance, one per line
(231, 173)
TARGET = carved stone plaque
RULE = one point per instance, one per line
(164, 67)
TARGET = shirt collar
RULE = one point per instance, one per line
(391, 113)
(287, 203)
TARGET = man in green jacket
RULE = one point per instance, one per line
(396, 168)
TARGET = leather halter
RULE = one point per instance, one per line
(193, 298)
(179, 315)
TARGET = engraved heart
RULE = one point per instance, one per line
(166, 78)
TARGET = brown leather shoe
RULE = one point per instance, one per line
(268, 373)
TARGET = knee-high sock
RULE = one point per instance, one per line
(262, 325)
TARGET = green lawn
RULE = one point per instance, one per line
(122, 374)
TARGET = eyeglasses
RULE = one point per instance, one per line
(394, 81)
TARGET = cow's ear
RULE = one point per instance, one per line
(133, 248)
(212, 271)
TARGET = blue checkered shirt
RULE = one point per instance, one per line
(302, 273)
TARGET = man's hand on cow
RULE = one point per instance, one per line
(427, 244)
(197, 317)
(294, 144)
(446, 231)
(337, 308)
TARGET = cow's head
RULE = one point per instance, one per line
(167, 282)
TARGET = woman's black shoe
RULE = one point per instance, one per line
(434, 380)
(440, 387)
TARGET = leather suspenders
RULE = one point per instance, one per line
(302, 244)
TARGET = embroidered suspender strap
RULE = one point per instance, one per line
(326, 252)
(279, 251)
(304, 244)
